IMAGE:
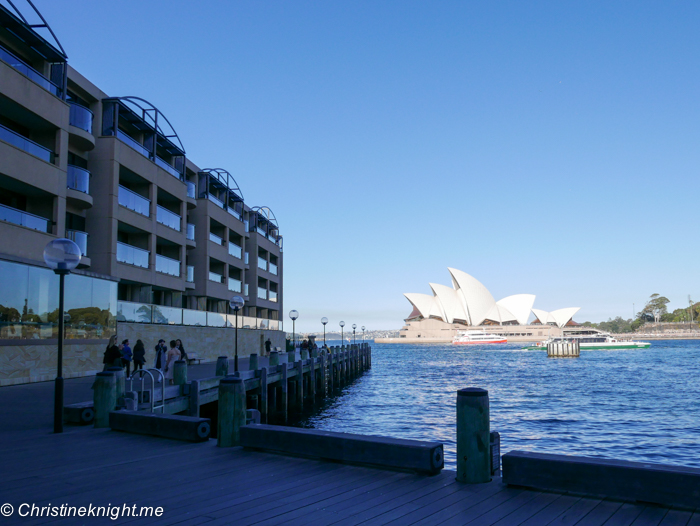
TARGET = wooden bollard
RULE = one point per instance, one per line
(222, 366)
(304, 353)
(314, 353)
(253, 362)
(104, 397)
(274, 358)
(193, 409)
(121, 381)
(473, 436)
(231, 411)
(324, 385)
(300, 385)
(282, 401)
(291, 357)
(180, 372)
(263, 395)
(312, 380)
(329, 371)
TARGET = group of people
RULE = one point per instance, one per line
(122, 355)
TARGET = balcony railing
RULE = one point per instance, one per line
(191, 190)
(133, 143)
(213, 276)
(78, 179)
(247, 257)
(273, 269)
(134, 201)
(29, 146)
(262, 293)
(165, 166)
(234, 213)
(132, 256)
(190, 273)
(166, 265)
(262, 263)
(18, 217)
(168, 218)
(29, 71)
(273, 296)
(80, 117)
(190, 231)
(262, 232)
(216, 201)
(216, 239)
(234, 285)
(245, 289)
(234, 250)
(246, 225)
(79, 238)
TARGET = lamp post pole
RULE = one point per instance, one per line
(354, 326)
(294, 314)
(342, 336)
(324, 320)
(236, 303)
(363, 334)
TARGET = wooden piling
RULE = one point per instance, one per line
(253, 362)
(263, 395)
(193, 409)
(299, 366)
(222, 366)
(473, 436)
(283, 401)
(324, 385)
(312, 380)
(180, 372)
(274, 358)
(232, 411)
(121, 382)
(104, 397)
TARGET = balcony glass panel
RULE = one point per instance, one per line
(190, 274)
(247, 257)
(247, 225)
(190, 231)
(134, 201)
(218, 278)
(79, 238)
(28, 71)
(132, 255)
(80, 117)
(234, 213)
(167, 218)
(78, 179)
(273, 296)
(245, 289)
(29, 146)
(166, 265)
(262, 293)
(191, 190)
(18, 217)
(215, 201)
(261, 231)
(262, 263)
(194, 317)
(249, 322)
(165, 166)
(234, 285)
(216, 319)
(234, 250)
(216, 239)
(167, 315)
(133, 143)
(134, 312)
(273, 269)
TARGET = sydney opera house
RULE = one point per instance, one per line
(469, 304)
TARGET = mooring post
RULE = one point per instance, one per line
(180, 372)
(473, 436)
(283, 399)
(291, 357)
(329, 371)
(232, 410)
(193, 409)
(222, 366)
(253, 362)
(324, 388)
(263, 395)
(312, 380)
(304, 353)
(300, 385)
(104, 397)
(274, 358)
(121, 381)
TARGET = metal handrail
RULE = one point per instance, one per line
(153, 387)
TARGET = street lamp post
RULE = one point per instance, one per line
(236, 304)
(293, 314)
(61, 256)
(354, 326)
(363, 334)
(324, 320)
(342, 338)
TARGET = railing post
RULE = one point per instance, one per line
(232, 411)
(324, 386)
(253, 362)
(222, 366)
(263, 395)
(194, 398)
(473, 436)
(274, 358)
(180, 372)
(104, 397)
(283, 399)
(300, 385)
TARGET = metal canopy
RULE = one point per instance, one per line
(266, 215)
(19, 23)
(223, 177)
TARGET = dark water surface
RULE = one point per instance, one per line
(641, 405)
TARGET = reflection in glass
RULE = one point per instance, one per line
(194, 317)
(168, 218)
(167, 315)
(216, 319)
(134, 312)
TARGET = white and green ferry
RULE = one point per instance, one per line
(592, 342)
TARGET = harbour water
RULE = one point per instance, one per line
(640, 405)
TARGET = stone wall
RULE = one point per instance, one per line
(28, 361)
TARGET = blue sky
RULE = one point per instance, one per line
(543, 147)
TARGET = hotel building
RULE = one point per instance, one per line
(164, 241)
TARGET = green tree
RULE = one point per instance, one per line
(655, 307)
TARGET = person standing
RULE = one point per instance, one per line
(268, 347)
(126, 357)
(139, 355)
(181, 348)
(161, 351)
(112, 353)
(172, 356)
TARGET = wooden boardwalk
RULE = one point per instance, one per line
(203, 484)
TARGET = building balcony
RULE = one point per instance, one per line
(133, 143)
(134, 201)
(78, 179)
(216, 278)
(234, 285)
(29, 146)
(234, 213)
(190, 274)
(191, 190)
(273, 297)
(190, 232)
(216, 239)
(132, 256)
(262, 263)
(235, 251)
(18, 217)
(80, 117)
(29, 72)
(168, 218)
(273, 269)
(262, 293)
(79, 238)
(216, 201)
(168, 168)
(166, 265)
(245, 290)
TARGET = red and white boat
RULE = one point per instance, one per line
(477, 338)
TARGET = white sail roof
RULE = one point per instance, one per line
(450, 301)
(519, 305)
(559, 317)
(426, 304)
(499, 314)
(477, 298)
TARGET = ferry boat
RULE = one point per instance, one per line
(592, 342)
(477, 338)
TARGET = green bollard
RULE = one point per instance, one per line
(253, 362)
(473, 436)
(222, 366)
(232, 408)
(121, 381)
(104, 397)
(180, 372)
(291, 357)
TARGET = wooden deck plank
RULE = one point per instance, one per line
(551, 512)
(614, 514)
(489, 516)
(651, 516)
(526, 511)
(575, 513)
(695, 519)
(600, 513)
(676, 518)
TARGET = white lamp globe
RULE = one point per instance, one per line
(354, 326)
(236, 303)
(342, 324)
(293, 314)
(324, 320)
(62, 254)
